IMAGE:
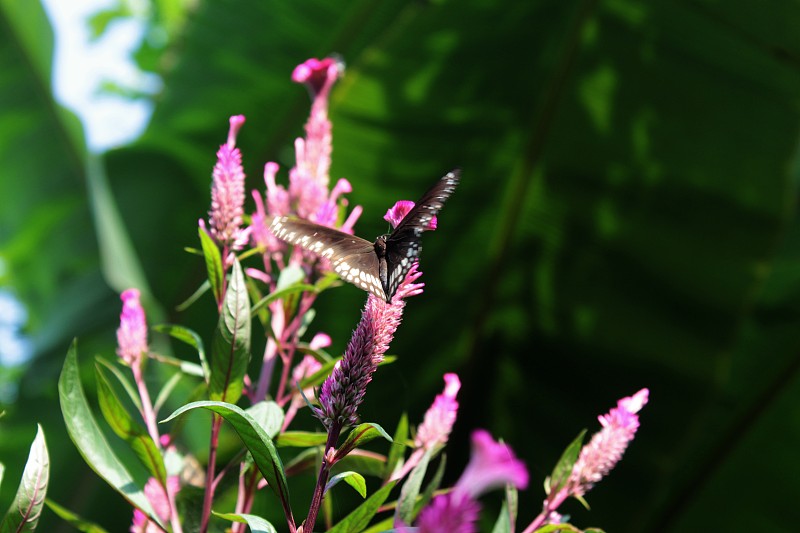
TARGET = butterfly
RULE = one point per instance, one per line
(377, 267)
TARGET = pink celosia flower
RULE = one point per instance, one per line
(342, 393)
(400, 209)
(436, 426)
(132, 331)
(604, 451)
(492, 465)
(227, 192)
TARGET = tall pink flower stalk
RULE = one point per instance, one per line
(598, 457)
(308, 196)
(132, 348)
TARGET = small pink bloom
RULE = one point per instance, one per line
(227, 191)
(132, 331)
(398, 212)
(320, 340)
(491, 465)
(439, 419)
(157, 497)
(607, 446)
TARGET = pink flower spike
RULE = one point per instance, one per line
(491, 465)
(227, 191)
(604, 451)
(132, 332)
(398, 212)
(440, 417)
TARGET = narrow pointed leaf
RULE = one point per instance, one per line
(201, 290)
(90, 441)
(508, 512)
(398, 446)
(258, 443)
(133, 394)
(282, 293)
(128, 429)
(433, 486)
(406, 510)
(24, 512)
(255, 523)
(362, 515)
(213, 263)
(230, 349)
(189, 337)
(354, 479)
(73, 519)
(563, 468)
(2, 471)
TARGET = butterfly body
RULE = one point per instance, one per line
(377, 267)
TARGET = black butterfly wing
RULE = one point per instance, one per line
(353, 258)
(403, 246)
(427, 206)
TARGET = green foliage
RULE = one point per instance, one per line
(23, 514)
(361, 516)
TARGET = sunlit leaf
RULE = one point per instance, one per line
(25, 509)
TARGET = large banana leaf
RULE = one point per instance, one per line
(626, 219)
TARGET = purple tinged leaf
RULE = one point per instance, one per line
(90, 441)
(360, 435)
(230, 348)
(24, 511)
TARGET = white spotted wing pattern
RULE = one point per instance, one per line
(377, 267)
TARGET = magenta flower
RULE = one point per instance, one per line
(607, 446)
(400, 209)
(342, 393)
(227, 192)
(132, 331)
(492, 465)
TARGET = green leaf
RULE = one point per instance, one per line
(268, 415)
(213, 263)
(2, 471)
(563, 468)
(126, 428)
(258, 443)
(398, 446)
(406, 510)
(166, 390)
(290, 276)
(300, 439)
(201, 290)
(372, 465)
(508, 512)
(230, 349)
(189, 337)
(255, 523)
(433, 486)
(90, 441)
(559, 528)
(360, 517)
(354, 479)
(133, 394)
(360, 435)
(282, 293)
(73, 519)
(24, 511)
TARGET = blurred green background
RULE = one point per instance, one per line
(627, 219)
